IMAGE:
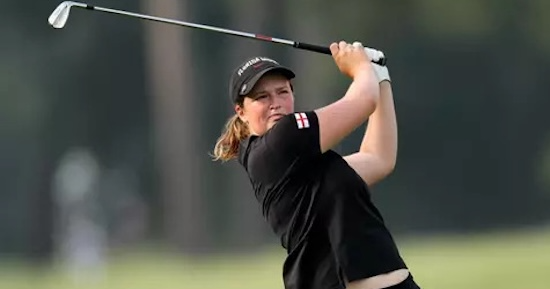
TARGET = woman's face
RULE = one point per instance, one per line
(271, 99)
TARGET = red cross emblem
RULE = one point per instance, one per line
(301, 120)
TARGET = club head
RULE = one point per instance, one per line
(59, 16)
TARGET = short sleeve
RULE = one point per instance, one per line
(294, 135)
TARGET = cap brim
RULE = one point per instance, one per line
(252, 82)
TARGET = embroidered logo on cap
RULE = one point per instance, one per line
(252, 62)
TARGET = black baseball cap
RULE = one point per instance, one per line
(249, 72)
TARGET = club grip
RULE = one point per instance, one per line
(326, 50)
(312, 47)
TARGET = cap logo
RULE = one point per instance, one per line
(252, 62)
(243, 88)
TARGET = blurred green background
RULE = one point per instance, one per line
(107, 125)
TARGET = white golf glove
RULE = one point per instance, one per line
(381, 72)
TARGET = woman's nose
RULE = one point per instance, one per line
(274, 105)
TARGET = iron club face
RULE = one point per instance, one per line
(59, 16)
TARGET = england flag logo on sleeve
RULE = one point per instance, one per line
(301, 120)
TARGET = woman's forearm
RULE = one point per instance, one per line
(380, 137)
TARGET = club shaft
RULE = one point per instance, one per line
(192, 25)
(304, 46)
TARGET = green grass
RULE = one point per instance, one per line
(518, 260)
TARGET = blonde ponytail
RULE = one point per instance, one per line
(227, 146)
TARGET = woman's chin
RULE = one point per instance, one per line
(272, 122)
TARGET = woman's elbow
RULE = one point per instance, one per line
(387, 167)
(382, 170)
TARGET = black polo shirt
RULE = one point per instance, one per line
(318, 206)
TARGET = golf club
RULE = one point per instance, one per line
(60, 15)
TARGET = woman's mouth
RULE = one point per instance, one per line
(275, 117)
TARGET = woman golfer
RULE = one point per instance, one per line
(315, 200)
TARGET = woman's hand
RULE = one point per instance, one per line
(351, 59)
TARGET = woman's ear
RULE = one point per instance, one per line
(239, 110)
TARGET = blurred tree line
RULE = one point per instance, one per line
(149, 100)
